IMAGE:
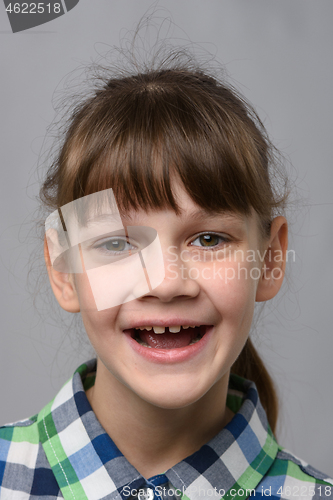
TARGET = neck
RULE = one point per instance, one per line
(153, 439)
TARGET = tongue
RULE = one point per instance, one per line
(169, 340)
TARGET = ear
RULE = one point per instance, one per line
(275, 261)
(62, 285)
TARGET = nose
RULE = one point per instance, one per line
(177, 282)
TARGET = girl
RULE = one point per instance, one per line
(165, 229)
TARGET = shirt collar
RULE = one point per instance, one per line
(88, 465)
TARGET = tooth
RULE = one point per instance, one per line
(142, 342)
(148, 328)
(158, 329)
(174, 329)
(194, 341)
(141, 328)
(184, 327)
(192, 326)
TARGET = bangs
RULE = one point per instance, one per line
(159, 134)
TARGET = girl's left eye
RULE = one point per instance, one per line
(209, 240)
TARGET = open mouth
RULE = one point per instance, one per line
(172, 337)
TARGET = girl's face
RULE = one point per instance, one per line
(212, 270)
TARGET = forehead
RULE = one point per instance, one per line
(187, 215)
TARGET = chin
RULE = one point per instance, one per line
(175, 394)
(172, 401)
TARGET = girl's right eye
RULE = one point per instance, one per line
(115, 246)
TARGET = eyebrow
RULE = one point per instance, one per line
(201, 213)
(102, 218)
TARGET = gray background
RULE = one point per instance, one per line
(279, 54)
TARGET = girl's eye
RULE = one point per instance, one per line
(116, 246)
(209, 240)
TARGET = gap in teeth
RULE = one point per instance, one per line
(161, 329)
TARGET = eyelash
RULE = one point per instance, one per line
(224, 240)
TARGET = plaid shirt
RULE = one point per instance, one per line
(63, 452)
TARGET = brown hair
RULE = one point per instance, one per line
(197, 128)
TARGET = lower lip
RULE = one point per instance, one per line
(170, 355)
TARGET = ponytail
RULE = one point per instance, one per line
(250, 366)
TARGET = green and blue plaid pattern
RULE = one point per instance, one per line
(63, 452)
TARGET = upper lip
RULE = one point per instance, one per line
(165, 323)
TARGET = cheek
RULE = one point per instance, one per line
(84, 293)
(97, 323)
(231, 286)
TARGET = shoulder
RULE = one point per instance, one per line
(290, 478)
(19, 440)
(24, 469)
